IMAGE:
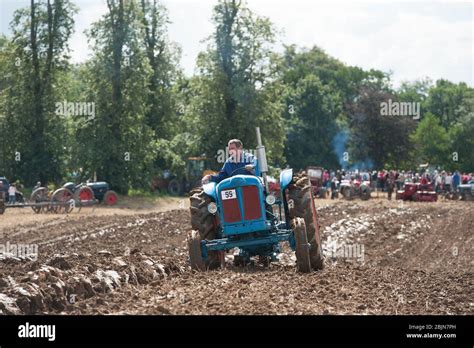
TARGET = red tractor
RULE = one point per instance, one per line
(356, 187)
(315, 175)
(417, 192)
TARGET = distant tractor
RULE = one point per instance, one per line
(417, 192)
(353, 188)
(100, 191)
(466, 191)
(315, 175)
(6, 185)
(196, 168)
(241, 212)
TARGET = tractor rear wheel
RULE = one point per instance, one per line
(302, 246)
(84, 194)
(174, 187)
(195, 252)
(204, 222)
(301, 196)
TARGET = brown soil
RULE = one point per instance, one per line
(381, 258)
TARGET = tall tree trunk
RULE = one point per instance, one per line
(37, 133)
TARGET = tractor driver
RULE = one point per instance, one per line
(235, 164)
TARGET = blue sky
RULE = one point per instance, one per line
(411, 39)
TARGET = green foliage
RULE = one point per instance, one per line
(33, 62)
(431, 141)
(233, 92)
(444, 100)
(148, 117)
(383, 140)
(462, 142)
(312, 124)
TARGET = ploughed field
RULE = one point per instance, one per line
(381, 258)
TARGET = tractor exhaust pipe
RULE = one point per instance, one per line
(262, 159)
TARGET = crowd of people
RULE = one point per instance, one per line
(390, 180)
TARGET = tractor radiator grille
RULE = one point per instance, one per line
(250, 203)
(231, 210)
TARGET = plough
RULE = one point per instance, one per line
(61, 201)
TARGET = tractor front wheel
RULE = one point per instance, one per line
(204, 222)
(195, 252)
(110, 198)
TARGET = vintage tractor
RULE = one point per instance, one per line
(6, 185)
(84, 193)
(466, 191)
(355, 188)
(239, 212)
(315, 175)
(417, 192)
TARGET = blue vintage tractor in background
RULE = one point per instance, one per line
(240, 212)
(99, 190)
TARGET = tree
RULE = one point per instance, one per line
(234, 92)
(444, 99)
(312, 124)
(37, 56)
(382, 140)
(431, 141)
(462, 140)
(163, 59)
(117, 76)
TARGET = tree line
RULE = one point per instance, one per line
(129, 112)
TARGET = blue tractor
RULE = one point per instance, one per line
(240, 212)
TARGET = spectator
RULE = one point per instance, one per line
(438, 183)
(325, 178)
(448, 182)
(456, 180)
(12, 194)
(389, 186)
